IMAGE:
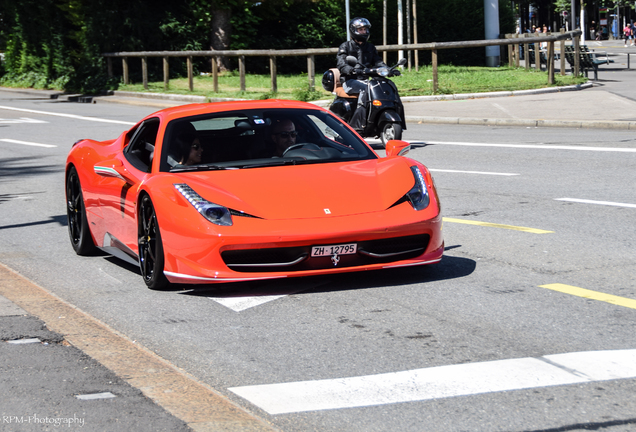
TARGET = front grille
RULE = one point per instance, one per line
(298, 258)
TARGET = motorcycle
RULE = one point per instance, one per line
(385, 112)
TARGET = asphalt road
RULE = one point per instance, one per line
(529, 212)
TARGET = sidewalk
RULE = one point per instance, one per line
(61, 367)
(47, 384)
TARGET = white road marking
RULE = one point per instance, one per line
(77, 117)
(238, 304)
(105, 395)
(27, 143)
(472, 172)
(21, 120)
(442, 382)
(24, 341)
(499, 107)
(536, 146)
(607, 203)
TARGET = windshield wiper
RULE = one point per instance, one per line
(185, 168)
(272, 162)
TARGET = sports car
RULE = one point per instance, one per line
(198, 194)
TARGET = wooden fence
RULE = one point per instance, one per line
(513, 43)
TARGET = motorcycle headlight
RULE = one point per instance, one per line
(215, 213)
(383, 71)
(418, 195)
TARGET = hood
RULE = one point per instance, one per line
(307, 191)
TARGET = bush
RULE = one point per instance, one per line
(307, 94)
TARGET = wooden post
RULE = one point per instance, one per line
(109, 63)
(434, 64)
(272, 73)
(144, 72)
(417, 60)
(242, 72)
(537, 55)
(511, 54)
(550, 62)
(408, 33)
(215, 75)
(562, 55)
(166, 73)
(384, 53)
(190, 73)
(124, 67)
(311, 71)
(526, 53)
(577, 57)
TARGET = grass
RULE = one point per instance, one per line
(451, 80)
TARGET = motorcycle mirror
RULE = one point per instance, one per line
(352, 61)
(402, 62)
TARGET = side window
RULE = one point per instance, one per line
(141, 149)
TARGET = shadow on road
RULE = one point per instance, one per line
(449, 268)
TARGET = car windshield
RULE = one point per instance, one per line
(258, 138)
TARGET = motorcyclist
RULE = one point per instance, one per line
(354, 81)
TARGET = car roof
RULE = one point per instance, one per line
(214, 107)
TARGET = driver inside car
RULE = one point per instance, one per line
(283, 135)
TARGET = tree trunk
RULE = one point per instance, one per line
(221, 33)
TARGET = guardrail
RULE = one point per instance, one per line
(511, 41)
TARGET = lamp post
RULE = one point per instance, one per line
(491, 20)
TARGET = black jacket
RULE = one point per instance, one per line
(366, 54)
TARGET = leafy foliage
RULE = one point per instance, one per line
(59, 43)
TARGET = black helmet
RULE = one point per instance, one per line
(329, 81)
(354, 28)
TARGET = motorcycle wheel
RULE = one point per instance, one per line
(390, 131)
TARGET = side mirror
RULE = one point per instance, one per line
(397, 148)
(402, 62)
(352, 61)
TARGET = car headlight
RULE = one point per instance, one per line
(418, 195)
(217, 214)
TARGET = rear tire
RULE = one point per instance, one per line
(78, 229)
(151, 258)
(390, 131)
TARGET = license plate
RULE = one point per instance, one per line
(342, 249)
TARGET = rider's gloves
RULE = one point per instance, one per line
(396, 72)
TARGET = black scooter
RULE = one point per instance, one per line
(385, 112)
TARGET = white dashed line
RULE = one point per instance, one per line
(472, 172)
(27, 143)
(536, 146)
(442, 382)
(73, 116)
(606, 203)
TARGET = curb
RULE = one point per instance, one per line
(576, 124)
(156, 99)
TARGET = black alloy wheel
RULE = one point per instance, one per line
(78, 229)
(390, 131)
(151, 257)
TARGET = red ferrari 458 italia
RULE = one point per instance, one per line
(237, 191)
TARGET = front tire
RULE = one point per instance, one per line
(151, 258)
(78, 230)
(390, 131)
